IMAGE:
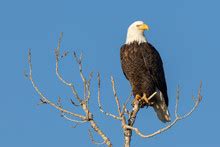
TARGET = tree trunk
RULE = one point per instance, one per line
(131, 121)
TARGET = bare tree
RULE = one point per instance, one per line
(125, 116)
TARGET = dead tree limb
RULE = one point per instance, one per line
(83, 101)
(177, 116)
(127, 123)
(126, 117)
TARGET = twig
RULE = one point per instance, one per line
(79, 61)
(83, 102)
(85, 105)
(138, 132)
(43, 98)
(99, 131)
(92, 139)
(73, 120)
(177, 101)
(72, 102)
(87, 84)
(124, 109)
(57, 53)
(115, 95)
(99, 101)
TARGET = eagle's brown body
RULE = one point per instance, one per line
(143, 67)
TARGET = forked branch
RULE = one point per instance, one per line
(125, 116)
(127, 123)
(83, 101)
(177, 116)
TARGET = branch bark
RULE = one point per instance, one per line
(131, 121)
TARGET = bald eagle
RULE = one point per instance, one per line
(143, 67)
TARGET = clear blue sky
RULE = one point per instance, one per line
(186, 33)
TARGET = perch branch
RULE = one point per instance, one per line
(131, 120)
(196, 103)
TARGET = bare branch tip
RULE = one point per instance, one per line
(42, 102)
(76, 125)
(98, 78)
(59, 102)
(72, 102)
(74, 54)
(98, 75)
(29, 55)
(81, 57)
(25, 74)
(29, 51)
(112, 79)
(92, 139)
(199, 91)
(60, 40)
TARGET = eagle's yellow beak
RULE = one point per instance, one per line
(143, 27)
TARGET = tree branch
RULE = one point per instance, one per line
(99, 101)
(178, 118)
(83, 102)
(126, 117)
(57, 55)
(92, 139)
(43, 98)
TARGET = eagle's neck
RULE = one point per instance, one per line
(138, 37)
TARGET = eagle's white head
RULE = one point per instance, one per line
(136, 32)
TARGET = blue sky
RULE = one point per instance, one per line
(185, 33)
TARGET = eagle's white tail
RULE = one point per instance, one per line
(160, 107)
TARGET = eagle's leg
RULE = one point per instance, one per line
(137, 97)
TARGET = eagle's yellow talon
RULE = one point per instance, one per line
(137, 98)
(144, 97)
